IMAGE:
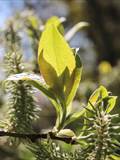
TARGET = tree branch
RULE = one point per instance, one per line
(33, 137)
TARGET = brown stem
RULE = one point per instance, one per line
(33, 137)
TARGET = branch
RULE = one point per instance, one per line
(33, 137)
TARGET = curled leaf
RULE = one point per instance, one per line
(69, 35)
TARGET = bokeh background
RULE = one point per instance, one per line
(99, 49)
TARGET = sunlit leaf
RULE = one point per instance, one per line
(70, 34)
(66, 133)
(32, 79)
(57, 22)
(55, 57)
(74, 81)
(111, 103)
(99, 94)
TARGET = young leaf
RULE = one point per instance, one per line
(70, 34)
(99, 94)
(55, 57)
(74, 81)
(57, 22)
(66, 133)
(111, 103)
(34, 80)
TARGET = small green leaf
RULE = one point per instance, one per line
(99, 94)
(74, 81)
(111, 103)
(66, 133)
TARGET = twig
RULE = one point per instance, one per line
(33, 137)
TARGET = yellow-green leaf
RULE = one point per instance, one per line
(55, 57)
(57, 23)
(111, 103)
(66, 133)
(99, 93)
(74, 81)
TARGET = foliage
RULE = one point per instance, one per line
(61, 69)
